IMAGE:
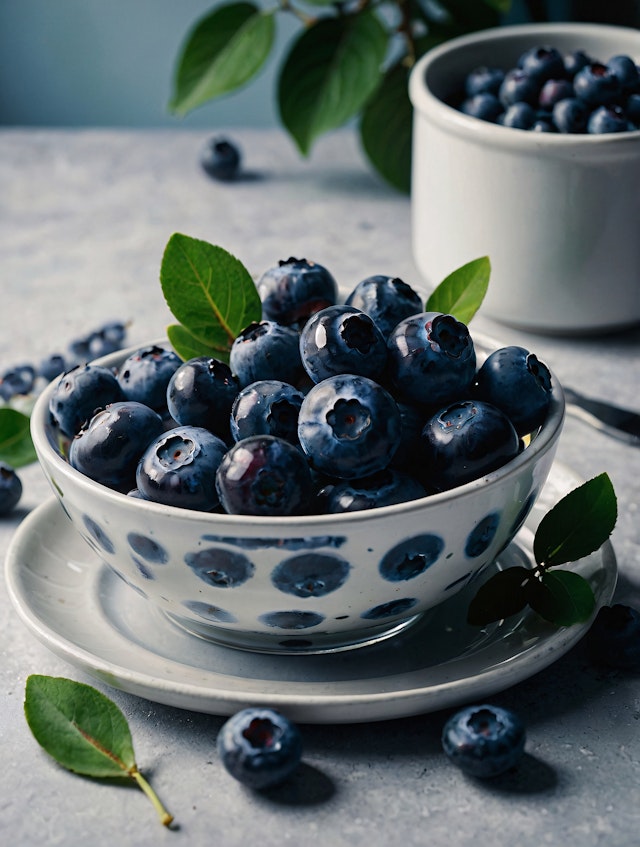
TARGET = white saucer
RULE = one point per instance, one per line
(83, 612)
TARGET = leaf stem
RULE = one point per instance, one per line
(165, 818)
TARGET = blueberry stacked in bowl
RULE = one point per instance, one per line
(554, 92)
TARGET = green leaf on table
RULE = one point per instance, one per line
(561, 597)
(502, 595)
(578, 525)
(210, 293)
(461, 293)
(16, 446)
(386, 127)
(224, 50)
(84, 731)
(332, 69)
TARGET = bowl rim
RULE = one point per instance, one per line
(425, 101)
(546, 439)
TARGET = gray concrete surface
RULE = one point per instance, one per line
(84, 217)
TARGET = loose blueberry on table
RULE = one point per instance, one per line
(260, 747)
(10, 488)
(484, 741)
(221, 159)
(614, 637)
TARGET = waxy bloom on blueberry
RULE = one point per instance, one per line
(484, 741)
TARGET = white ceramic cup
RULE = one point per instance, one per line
(558, 215)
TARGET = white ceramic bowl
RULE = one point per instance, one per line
(558, 215)
(301, 584)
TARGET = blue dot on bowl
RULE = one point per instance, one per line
(219, 567)
(411, 557)
(210, 612)
(482, 535)
(388, 610)
(98, 534)
(147, 548)
(291, 620)
(143, 570)
(310, 574)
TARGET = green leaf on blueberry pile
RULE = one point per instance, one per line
(576, 526)
(210, 293)
(84, 731)
(461, 293)
(16, 446)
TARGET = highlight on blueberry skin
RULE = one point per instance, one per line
(386, 299)
(78, 393)
(484, 741)
(260, 747)
(201, 392)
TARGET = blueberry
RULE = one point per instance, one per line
(260, 747)
(264, 475)
(554, 90)
(607, 119)
(178, 468)
(431, 358)
(383, 488)
(483, 80)
(18, 380)
(386, 299)
(484, 741)
(571, 115)
(295, 289)
(575, 61)
(144, 375)
(349, 426)
(518, 86)
(79, 392)
(597, 85)
(201, 392)
(106, 339)
(518, 383)
(52, 366)
(627, 73)
(542, 63)
(266, 350)
(108, 448)
(543, 124)
(484, 106)
(221, 159)
(614, 637)
(633, 109)
(519, 116)
(10, 488)
(465, 441)
(267, 407)
(342, 339)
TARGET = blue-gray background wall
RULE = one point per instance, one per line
(110, 63)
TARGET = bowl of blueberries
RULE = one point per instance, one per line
(355, 463)
(527, 149)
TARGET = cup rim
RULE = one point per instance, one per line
(545, 440)
(441, 113)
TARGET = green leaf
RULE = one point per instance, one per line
(328, 75)
(461, 293)
(501, 596)
(579, 524)
(16, 446)
(185, 344)
(84, 731)
(209, 292)
(386, 128)
(562, 597)
(501, 6)
(224, 51)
